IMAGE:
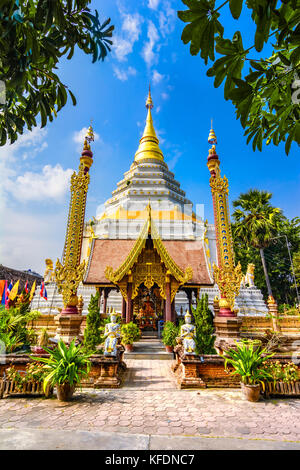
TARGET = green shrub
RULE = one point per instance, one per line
(14, 327)
(169, 334)
(92, 334)
(204, 327)
(130, 332)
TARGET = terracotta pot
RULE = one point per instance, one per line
(65, 391)
(251, 392)
(256, 343)
(129, 347)
(169, 349)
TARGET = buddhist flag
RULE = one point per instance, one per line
(32, 291)
(3, 289)
(43, 292)
(26, 287)
(14, 291)
(8, 292)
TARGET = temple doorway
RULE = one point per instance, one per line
(148, 307)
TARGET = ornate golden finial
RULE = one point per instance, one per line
(149, 148)
(149, 102)
(212, 139)
(90, 133)
(89, 137)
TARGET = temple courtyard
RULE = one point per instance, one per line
(149, 412)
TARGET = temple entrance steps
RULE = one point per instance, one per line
(149, 347)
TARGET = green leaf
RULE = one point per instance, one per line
(73, 98)
(236, 8)
(289, 141)
(284, 59)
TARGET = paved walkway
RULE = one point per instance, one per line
(147, 410)
(143, 374)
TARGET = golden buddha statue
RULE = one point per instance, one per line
(147, 316)
(49, 271)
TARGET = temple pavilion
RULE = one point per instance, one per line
(148, 250)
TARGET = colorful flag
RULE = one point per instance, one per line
(3, 289)
(26, 287)
(2, 286)
(43, 292)
(14, 291)
(32, 291)
(8, 292)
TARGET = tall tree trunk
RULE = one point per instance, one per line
(262, 255)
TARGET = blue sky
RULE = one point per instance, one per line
(147, 48)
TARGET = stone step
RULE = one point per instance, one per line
(163, 355)
(154, 348)
(149, 334)
(149, 348)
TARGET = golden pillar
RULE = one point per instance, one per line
(227, 276)
(69, 273)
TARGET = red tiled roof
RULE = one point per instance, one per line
(107, 253)
(114, 252)
(189, 253)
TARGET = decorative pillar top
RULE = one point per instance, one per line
(212, 139)
(86, 154)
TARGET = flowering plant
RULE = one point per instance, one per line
(282, 372)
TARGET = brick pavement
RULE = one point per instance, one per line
(149, 403)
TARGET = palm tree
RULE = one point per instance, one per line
(256, 222)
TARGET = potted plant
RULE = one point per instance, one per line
(169, 335)
(66, 366)
(130, 332)
(248, 362)
(256, 343)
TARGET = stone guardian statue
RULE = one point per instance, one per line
(112, 333)
(187, 334)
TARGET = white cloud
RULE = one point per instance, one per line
(122, 47)
(164, 96)
(28, 144)
(148, 53)
(132, 26)
(131, 29)
(50, 183)
(31, 234)
(153, 4)
(124, 74)
(78, 136)
(31, 237)
(157, 77)
(167, 19)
